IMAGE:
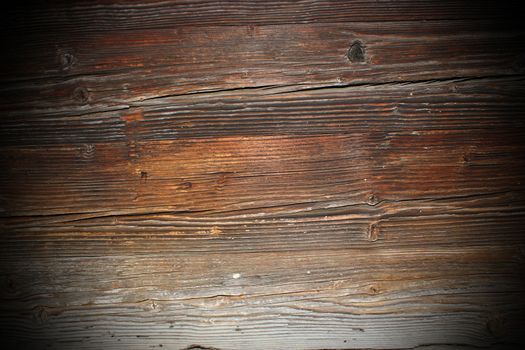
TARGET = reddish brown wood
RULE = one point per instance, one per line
(262, 175)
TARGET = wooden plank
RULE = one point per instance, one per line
(111, 70)
(454, 106)
(472, 221)
(250, 173)
(75, 17)
(328, 298)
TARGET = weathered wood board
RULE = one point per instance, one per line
(262, 175)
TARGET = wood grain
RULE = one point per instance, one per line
(455, 105)
(104, 15)
(101, 71)
(132, 300)
(262, 175)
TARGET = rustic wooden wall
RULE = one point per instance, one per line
(262, 175)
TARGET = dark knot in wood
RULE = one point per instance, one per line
(356, 52)
(81, 95)
(67, 60)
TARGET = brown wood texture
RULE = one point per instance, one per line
(262, 175)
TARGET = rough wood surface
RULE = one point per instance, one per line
(262, 175)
